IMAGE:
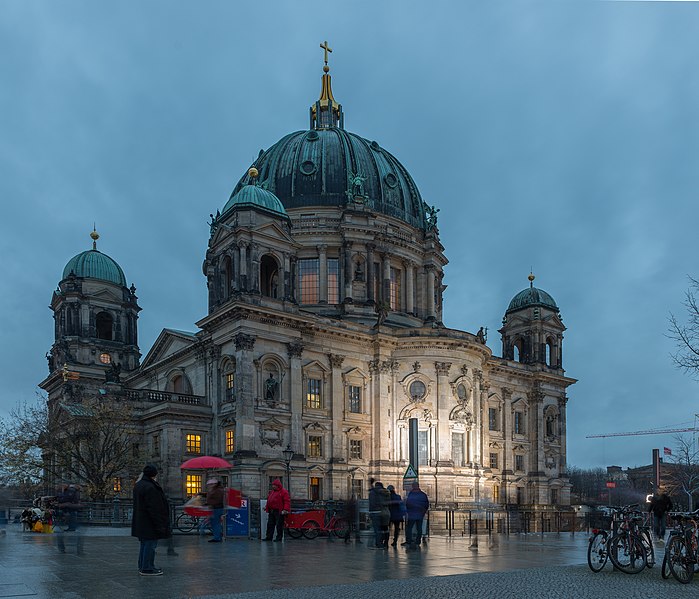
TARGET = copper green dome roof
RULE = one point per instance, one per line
(531, 297)
(254, 196)
(333, 167)
(93, 264)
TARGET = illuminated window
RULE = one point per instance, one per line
(423, 448)
(230, 386)
(193, 443)
(193, 484)
(309, 280)
(355, 447)
(395, 289)
(355, 399)
(116, 485)
(315, 488)
(494, 460)
(105, 358)
(313, 397)
(496, 494)
(230, 441)
(519, 463)
(315, 447)
(333, 281)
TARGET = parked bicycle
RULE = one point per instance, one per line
(682, 549)
(311, 523)
(187, 523)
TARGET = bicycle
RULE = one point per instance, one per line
(187, 523)
(682, 551)
(626, 548)
(334, 524)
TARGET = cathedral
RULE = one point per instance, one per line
(324, 336)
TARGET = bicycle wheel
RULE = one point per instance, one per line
(648, 546)
(186, 523)
(681, 564)
(665, 571)
(597, 553)
(627, 553)
(294, 533)
(341, 528)
(310, 529)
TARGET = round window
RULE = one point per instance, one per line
(312, 136)
(461, 392)
(417, 390)
(391, 180)
(307, 167)
(105, 358)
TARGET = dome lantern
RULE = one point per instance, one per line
(326, 112)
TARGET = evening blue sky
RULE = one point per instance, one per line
(557, 136)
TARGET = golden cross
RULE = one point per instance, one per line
(327, 49)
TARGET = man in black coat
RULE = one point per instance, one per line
(151, 519)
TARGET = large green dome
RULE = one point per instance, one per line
(531, 297)
(332, 167)
(93, 264)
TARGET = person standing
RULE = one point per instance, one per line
(379, 499)
(214, 499)
(397, 510)
(151, 519)
(660, 504)
(416, 504)
(278, 506)
(351, 514)
(69, 502)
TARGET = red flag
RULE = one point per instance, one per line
(667, 451)
(234, 498)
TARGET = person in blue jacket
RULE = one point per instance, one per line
(416, 504)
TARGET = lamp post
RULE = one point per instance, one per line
(288, 453)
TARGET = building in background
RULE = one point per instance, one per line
(324, 333)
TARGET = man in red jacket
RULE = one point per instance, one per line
(278, 506)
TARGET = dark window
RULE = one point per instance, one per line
(423, 448)
(333, 281)
(493, 419)
(269, 276)
(104, 323)
(519, 423)
(355, 399)
(457, 449)
(554, 496)
(519, 463)
(494, 461)
(355, 449)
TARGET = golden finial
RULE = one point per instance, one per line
(253, 173)
(95, 236)
(326, 49)
(531, 278)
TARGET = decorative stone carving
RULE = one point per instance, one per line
(442, 368)
(244, 342)
(462, 415)
(389, 365)
(336, 360)
(464, 370)
(271, 432)
(294, 349)
(374, 366)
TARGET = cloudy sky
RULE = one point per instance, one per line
(558, 136)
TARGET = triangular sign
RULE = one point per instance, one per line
(410, 473)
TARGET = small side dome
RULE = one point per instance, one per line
(93, 264)
(531, 297)
(253, 196)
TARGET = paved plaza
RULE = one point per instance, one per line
(531, 566)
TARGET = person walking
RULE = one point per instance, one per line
(416, 505)
(660, 504)
(214, 499)
(151, 519)
(397, 510)
(278, 506)
(351, 514)
(380, 514)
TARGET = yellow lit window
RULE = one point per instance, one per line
(193, 484)
(313, 397)
(230, 386)
(193, 443)
(230, 441)
(315, 447)
(496, 494)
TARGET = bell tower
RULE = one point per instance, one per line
(532, 329)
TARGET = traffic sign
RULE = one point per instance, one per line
(410, 473)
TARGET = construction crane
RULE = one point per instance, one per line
(651, 432)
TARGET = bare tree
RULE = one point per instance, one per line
(684, 476)
(687, 335)
(90, 443)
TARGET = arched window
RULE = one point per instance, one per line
(180, 384)
(269, 276)
(518, 350)
(104, 322)
(551, 352)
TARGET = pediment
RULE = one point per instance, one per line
(272, 230)
(168, 343)
(316, 365)
(107, 295)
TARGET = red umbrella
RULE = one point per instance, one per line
(206, 462)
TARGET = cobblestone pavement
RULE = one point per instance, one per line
(542, 567)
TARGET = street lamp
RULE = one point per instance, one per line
(288, 453)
